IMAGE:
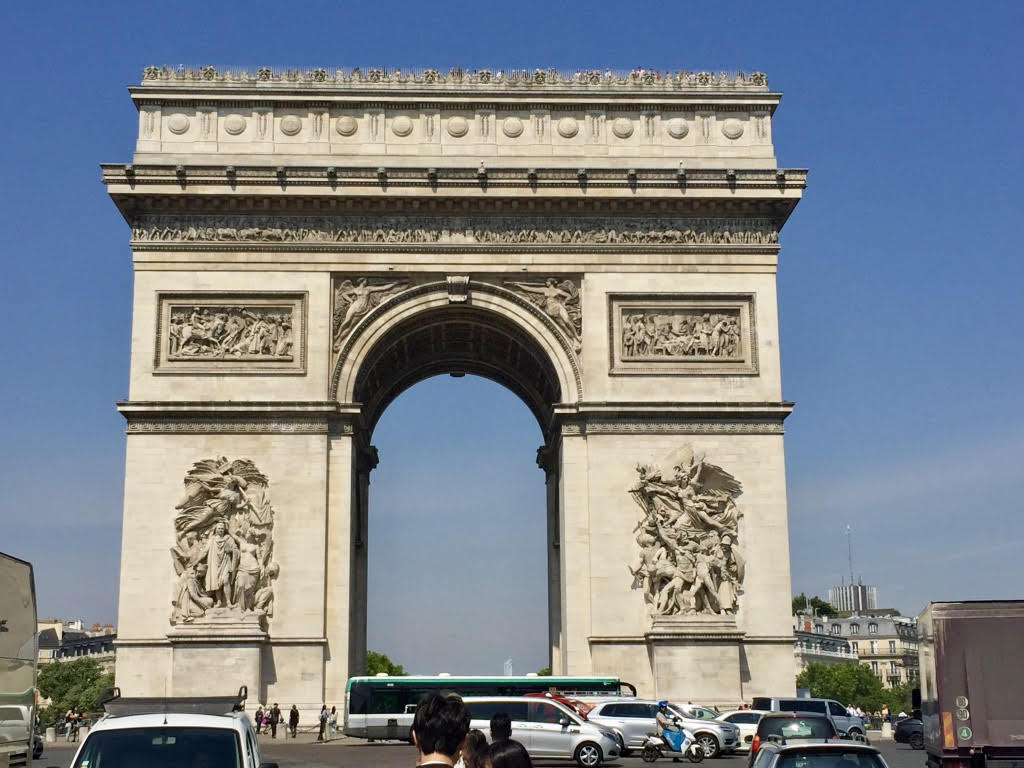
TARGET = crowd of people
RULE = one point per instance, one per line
(269, 718)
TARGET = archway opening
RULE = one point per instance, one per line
(457, 531)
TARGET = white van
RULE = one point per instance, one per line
(546, 728)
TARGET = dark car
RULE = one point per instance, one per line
(791, 728)
(910, 731)
(839, 754)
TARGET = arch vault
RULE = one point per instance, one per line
(307, 246)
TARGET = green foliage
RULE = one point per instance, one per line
(379, 662)
(898, 699)
(74, 684)
(820, 607)
(544, 671)
(849, 683)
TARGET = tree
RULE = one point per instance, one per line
(815, 604)
(74, 684)
(379, 662)
(848, 683)
(544, 671)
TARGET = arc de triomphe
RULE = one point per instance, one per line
(307, 245)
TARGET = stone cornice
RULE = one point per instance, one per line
(322, 82)
(330, 179)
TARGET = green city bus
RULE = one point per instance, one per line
(382, 707)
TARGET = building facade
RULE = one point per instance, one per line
(307, 245)
(812, 645)
(884, 643)
(847, 598)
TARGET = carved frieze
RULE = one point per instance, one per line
(231, 333)
(559, 300)
(457, 230)
(688, 537)
(224, 550)
(688, 333)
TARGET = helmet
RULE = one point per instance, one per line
(662, 704)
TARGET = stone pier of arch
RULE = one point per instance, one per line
(307, 246)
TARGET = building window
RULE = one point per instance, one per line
(874, 667)
(819, 628)
(872, 628)
(892, 668)
(874, 647)
(892, 646)
(837, 629)
(855, 629)
(854, 647)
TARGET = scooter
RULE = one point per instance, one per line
(656, 746)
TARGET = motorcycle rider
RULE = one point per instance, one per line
(670, 732)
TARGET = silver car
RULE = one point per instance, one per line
(546, 728)
(633, 719)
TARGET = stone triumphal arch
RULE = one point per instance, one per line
(307, 245)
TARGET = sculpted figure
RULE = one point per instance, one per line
(560, 302)
(354, 300)
(223, 555)
(688, 561)
(221, 564)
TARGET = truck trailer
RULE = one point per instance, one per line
(972, 683)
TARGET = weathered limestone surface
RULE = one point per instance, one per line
(308, 244)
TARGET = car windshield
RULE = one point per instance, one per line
(161, 747)
(833, 758)
(796, 727)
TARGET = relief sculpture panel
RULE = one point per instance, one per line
(230, 333)
(223, 555)
(689, 561)
(698, 334)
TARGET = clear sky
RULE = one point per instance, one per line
(899, 293)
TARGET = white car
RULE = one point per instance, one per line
(746, 720)
(547, 728)
(150, 732)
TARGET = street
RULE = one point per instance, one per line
(350, 753)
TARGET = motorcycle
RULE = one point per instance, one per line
(656, 746)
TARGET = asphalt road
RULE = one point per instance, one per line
(356, 754)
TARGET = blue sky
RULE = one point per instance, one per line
(899, 293)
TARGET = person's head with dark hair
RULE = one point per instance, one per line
(439, 727)
(474, 751)
(508, 754)
(501, 726)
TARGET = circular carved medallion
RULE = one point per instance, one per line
(234, 124)
(677, 128)
(622, 128)
(178, 123)
(290, 125)
(732, 128)
(458, 126)
(512, 127)
(401, 126)
(346, 125)
(568, 127)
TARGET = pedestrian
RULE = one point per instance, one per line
(324, 716)
(293, 720)
(275, 718)
(259, 718)
(332, 724)
(508, 754)
(501, 726)
(474, 750)
(439, 728)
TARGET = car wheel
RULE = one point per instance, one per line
(916, 741)
(588, 755)
(709, 744)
